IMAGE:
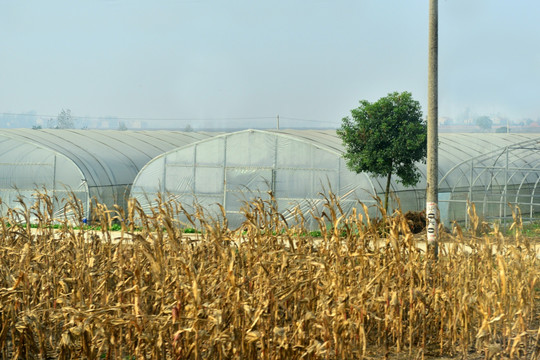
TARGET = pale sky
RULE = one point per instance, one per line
(196, 60)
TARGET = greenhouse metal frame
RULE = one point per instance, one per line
(498, 183)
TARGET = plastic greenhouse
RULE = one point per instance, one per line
(230, 169)
(91, 164)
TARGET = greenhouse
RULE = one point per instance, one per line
(297, 166)
(496, 181)
(90, 164)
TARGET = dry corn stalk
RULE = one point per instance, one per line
(265, 291)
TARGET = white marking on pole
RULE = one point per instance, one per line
(432, 228)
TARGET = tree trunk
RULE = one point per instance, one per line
(387, 192)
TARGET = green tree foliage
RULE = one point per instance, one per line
(386, 137)
(484, 122)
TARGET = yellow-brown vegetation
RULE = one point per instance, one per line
(265, 291)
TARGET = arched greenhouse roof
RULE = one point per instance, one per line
(296, 165)
(99, 164)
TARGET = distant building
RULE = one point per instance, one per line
(446, 121)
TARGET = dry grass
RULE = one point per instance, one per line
(261, 292)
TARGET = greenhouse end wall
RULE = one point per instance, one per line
(232, 169)
(27, 170)
(297, 166)
(92, 165)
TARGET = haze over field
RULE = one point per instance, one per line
(240, 63)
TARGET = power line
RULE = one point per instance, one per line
(144, 118)
(305, 120)
(170, 119)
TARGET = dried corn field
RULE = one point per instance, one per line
(264, 291)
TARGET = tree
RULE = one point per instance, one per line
(484, 123)
(51, 123)
(122, 126)
(386, 137)
(64, 120)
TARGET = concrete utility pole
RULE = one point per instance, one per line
(432, 133)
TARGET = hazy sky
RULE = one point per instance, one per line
(304, 59)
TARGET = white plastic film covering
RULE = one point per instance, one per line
(298, 166)
(26, 169)
(233, 169)
(90, 164)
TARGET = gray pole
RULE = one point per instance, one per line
(432, 133)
